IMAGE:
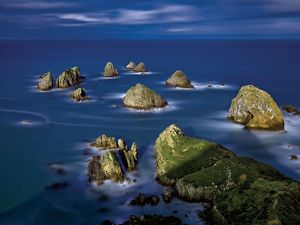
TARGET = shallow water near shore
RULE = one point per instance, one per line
(40, 128)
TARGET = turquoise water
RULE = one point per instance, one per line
(41, 128)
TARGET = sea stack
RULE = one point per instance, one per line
(69, 78)
(256, 109)
(110, 71)
(45, 82)
(140, 68)
(179, 79)
(131, 65)
(141, 97)
(79, 94)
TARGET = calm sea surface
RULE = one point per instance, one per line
(41, 128)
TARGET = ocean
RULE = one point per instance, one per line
(40, 128)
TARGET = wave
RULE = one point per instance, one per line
(39, 115)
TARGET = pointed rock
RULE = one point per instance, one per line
(45, 82)
(79, 94)
(140, 68)
(110, 71)
(131, 65)
(256, 109)
(141, 97)
(130, 157)
(179, 79)
(105, 167)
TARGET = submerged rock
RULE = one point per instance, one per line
(105, 167)
(149, 220)
(45, 82)
(205, 171)
(69, 78)
(293, 157)
(256, 109)
(290, 109)
(140, 68)
(131, 65)
(141, 97)
(104, 142)
(168, 194)
(110, 71)
(142, 200)
(79, 95)
(179, 79)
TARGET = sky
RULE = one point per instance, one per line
(152, 19)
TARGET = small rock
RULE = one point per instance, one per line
(121, 144)
(57, 186)
(79, 95)
(105, 167)
(153, 220)
(179, 79)
(45, 82)
(293, 157)
(58, 168)
(110, 71)
(209, 85)
(142, 200)
(290, 109)
(167, 195)
(131, 65)
(140, 68)
(129, 157)
(104, 142)
(141, 97)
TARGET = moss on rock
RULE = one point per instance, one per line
(256, 109)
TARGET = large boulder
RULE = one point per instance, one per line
(69, 78)
(256, 109)
(240, 190)
(79, 94)
(45, 82)
(110, 70)
(141, 97)
(179, 79)
(140, 68)
(105, 167)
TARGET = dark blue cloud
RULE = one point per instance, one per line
(124, 19)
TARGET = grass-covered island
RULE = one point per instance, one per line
(240, 190)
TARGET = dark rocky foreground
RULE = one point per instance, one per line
(240, 190)
(149, 220)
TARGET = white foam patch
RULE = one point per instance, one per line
(39, 115)
(107, 78)
(172, 106)
(142, 73)
(114, 96)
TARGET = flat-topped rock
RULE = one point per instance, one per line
(141, 97)
(256, 109)
(110, 70)
(79, 94)
(69, 78)
(45, 82)
(140, 68)
(179, 79)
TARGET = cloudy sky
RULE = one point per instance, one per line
(152, 19)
